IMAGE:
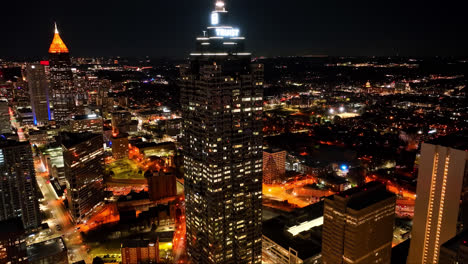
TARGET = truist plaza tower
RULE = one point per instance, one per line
(221, 98)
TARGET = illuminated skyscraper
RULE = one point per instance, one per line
(61, 79)
(83, 159)
(18, 191)
(221, 97)
(358, 226)
(442, 197)
(38, 93)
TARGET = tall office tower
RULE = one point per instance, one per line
(12, 242)
(274, 165)
(38, 93)
(5, 124)
(358, 225)
(441, 204)
(61, 79)
(83, 160)
(18, 190)
(221, 98)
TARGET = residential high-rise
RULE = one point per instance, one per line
(83, 160)
(38, 93)
(5, 124)
(18, 187)
(61, 79)
(274, 165)
(221, 98)
(441, 208)
(358, 225)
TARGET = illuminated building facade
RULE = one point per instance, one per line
(38, 93)
(83, 162)
(441, 204)
(358, 225)
(139, 251)
(221, 98)
(12, 242)
(61, 79)
(274, 165)
(18, 191)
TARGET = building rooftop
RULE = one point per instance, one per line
(365, 195)
(46, 248)
(71, 139)
(457, 141)
(455, 242)
(299, 229)
(137, 243)
(5, 143)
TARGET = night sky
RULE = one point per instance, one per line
(272, 27)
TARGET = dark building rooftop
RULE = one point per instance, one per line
(71, 139)
(457, 141)
(136, 243)
(365, 195)
(5, 143)
(47, 248)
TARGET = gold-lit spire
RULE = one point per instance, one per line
(57, 45)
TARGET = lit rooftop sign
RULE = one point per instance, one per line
(227, 32)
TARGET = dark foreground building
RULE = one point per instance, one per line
(221, 97)
(18, 187)
(358, 225)
(12, 242)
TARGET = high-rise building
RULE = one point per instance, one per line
(83, 160)
(61, 79)
(38, 93)
(5, 124)
(274, 165)
(18, 187)
(221, 98)
(12, 242)
(358, 225)
(441, 208)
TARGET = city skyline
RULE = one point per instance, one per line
(335, 28)
(217, 154)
